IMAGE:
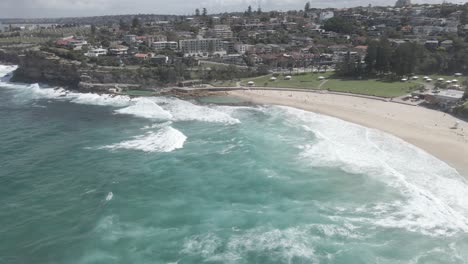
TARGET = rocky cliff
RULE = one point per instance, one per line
(43, 67)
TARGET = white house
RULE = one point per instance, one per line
(160, 45)
(93, 53)
(325, 15)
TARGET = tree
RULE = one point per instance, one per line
(371, 56)
(384, 56)
(339, 24)
(122, 25)
(197, 12)
(307, 7)
(93, 30)
(135, 22)
(249, 11)
(204, 12)
(404, 59)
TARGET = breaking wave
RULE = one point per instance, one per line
(434, 193)
(167, 139)
(288, 245)
(160, 108)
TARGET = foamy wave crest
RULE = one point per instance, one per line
(435, 193)
(186, 111)
(5, 72)
(277, 245)
(99, 99)
(146, 108)
(166, 139)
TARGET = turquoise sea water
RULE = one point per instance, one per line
(98, 179)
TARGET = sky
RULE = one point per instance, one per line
(67, 8)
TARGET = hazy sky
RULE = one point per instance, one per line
(62, 8)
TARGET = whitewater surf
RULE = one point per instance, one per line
(87, 178)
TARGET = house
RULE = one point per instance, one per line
(202, 46)
(325, 15)
(77, 44)
(444, 98)
(447, 44)
(431, 44)
(130, 39)
(118, 50)
(143, 56)
(222, 31)
(93, 53)
(64, 41)
(161, 45)
(160, 59)
(243, 48)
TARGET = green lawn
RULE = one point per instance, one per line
(370, 87)
(226, 83)
(373, 87)
(301, 81)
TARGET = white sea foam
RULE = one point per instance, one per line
(435, 203)
(109, 196)
(146, 108)
(5, 72)
(149, 107)
(187, 111)
(167, 139)
(279, 244)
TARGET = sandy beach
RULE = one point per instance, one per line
(427, 129)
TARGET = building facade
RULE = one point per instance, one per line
(161, 45)
(202, 46)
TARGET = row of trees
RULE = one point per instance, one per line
(405, 59)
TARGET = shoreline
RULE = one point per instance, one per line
(429, 130)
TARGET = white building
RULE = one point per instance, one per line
(202, 46)
(96, 52)
(2, 27)
(242, 48)
(325, 15)
(222, 31)
(161, 45)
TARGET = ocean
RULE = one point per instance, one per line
(88, 178)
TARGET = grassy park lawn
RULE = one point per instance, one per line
(373, 87)
(300, 81)
(370, 87)
(224, 83)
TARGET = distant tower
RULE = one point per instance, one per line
(403, 3)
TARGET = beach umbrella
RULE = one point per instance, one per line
(273, 78)
(454, 80)
(429, 80)
(250, 83)
(458, 74)
(288, 77)
(440, 79)
(448, 82)
(426, 77)
(321, 78)
(415, 77)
